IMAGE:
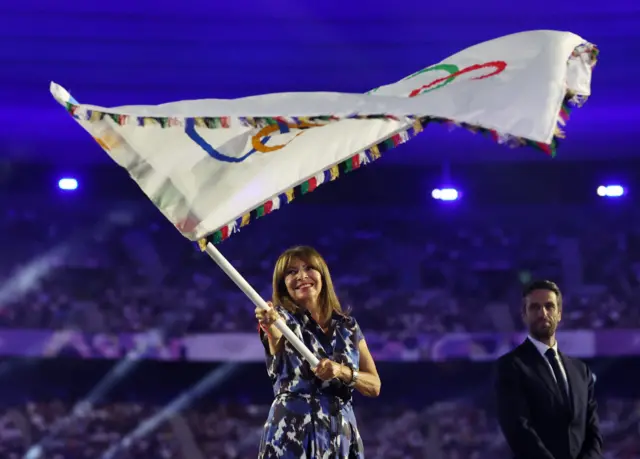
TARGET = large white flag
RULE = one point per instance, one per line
(213, 165)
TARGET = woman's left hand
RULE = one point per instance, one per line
(328, 369)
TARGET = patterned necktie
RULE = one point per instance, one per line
(555, 365)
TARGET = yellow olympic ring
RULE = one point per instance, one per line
(256, 140)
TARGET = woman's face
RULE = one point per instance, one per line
(304, 283)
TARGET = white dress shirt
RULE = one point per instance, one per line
(542, 348)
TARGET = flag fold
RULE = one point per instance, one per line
(212, 166)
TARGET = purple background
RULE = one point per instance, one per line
(150, 52)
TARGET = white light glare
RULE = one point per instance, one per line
(610, 191)
(445, 194)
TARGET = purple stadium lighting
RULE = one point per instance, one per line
(610, 191)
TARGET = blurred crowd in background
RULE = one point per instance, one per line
(227, 423)
(127, 269)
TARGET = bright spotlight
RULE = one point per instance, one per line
(67, 183)
(445, 194)
(610, 191)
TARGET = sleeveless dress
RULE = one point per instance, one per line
(311, 418)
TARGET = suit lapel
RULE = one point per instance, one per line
(539, 366)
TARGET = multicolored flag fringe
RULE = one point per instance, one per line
(212, 166)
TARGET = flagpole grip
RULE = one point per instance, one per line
(256, 299)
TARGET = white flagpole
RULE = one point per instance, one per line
(248, 290)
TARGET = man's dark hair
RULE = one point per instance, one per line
(542, 285)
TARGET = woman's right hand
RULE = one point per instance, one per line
(267, 317)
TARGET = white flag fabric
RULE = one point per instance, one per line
(212, 165)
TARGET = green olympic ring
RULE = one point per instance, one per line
(446, 67)
(449, 68)
(454, 72)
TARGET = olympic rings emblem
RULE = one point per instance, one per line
(497, 66)
(258, 140)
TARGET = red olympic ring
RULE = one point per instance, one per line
(499, 67)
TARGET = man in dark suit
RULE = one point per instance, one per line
(546, 405)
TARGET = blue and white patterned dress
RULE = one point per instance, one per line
(311, 418)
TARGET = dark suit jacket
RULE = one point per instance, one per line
(532, 416)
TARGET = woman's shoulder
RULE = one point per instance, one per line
(346, 320)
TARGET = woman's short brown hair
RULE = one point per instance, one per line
(328, 300)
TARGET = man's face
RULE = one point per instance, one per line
(542, 314)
